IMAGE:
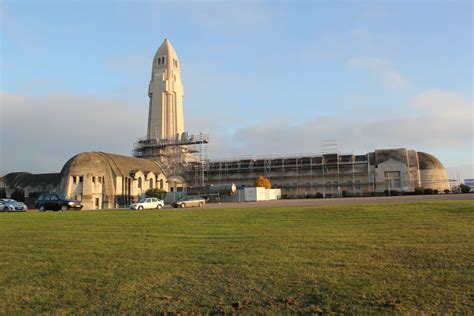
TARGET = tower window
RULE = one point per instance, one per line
(159, 61)
(163, 60)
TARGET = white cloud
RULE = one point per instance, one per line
(39, 134)
(380, 70)
(420, 124)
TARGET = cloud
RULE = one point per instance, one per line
(380, 70)
(425, 122)
(39, 134)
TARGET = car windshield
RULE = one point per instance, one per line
(142, 200)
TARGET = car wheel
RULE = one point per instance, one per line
(64, 208)
(42, 209)
(140, 207)
(183, 205)
(159, 206)
(200, 204)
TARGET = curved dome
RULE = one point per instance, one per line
(427, 161)
(76, 164)
(118, 164)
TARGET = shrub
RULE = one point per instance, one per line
(446, 191)
(392, 192)
(319, 195)
(156, 193)
(419, 190)
(3, 193)
(18, 195)
(344, 193)
(263, 182)
(464, 188)
(34, 194)
(435, 191)
(428, 191)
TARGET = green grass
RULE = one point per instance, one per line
(409, 257)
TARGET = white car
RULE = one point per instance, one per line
(148, 203)
(10, 205)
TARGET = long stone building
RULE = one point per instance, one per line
(399, 170)
(99, 180)
(168, 158)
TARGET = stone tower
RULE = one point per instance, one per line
(165, 116)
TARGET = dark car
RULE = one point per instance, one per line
(56, 202)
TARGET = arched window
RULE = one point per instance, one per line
(159, 61)
(161, 183)
(151, 183)
(139, 183)
(163, 60)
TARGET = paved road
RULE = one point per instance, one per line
(342, 201)
(347, 201)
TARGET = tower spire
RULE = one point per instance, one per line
(165, 115)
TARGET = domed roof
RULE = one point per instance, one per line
(118, 164)
(24, 179)
(397, 154)
(427, 161)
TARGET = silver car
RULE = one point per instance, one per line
(10, 205)
(189, 201)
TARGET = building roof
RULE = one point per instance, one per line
(26, 179)
(120, 165)
(427, 161)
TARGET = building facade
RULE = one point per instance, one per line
(399, 170)
(100, 180)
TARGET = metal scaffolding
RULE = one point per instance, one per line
(329, 174)
(187, 152)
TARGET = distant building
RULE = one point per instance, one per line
(99, 180)
(399, 170)
(470, 183)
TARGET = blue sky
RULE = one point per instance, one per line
(268, 77)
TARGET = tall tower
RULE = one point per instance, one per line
(165, 115)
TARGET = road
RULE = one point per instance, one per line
(348, 201)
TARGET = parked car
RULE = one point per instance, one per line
(148, 203)
(56, 202)
(189, 201)
(10, 205)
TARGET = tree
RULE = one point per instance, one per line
(464, 188)
(263, 182)
(18, 195)
(3, 193)
(156, 193)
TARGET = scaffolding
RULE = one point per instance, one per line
(307, 175)
(184, 152)
(297, 175)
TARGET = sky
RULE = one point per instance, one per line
(260, 77)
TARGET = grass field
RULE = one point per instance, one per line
(414, 257)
